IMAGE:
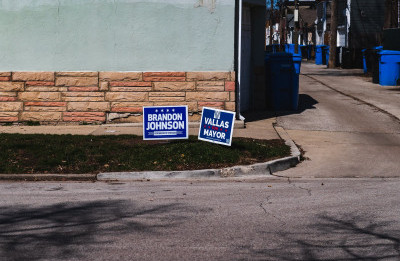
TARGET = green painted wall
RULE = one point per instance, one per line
(116, 35)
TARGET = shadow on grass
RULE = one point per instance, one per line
(63, 231)
(337, 238)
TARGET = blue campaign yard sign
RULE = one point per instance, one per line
(165, 122)
(217, 126)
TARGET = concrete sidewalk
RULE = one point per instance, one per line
(257, 129)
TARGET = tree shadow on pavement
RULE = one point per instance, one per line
(306, 102)
(333, 238)
(57, 231)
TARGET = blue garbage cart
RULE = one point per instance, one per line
(282, 80)
(325, 55)
(319, 54)
(297, 63)
(389, 68)
(371, 61)
(373, 66)
(289, 48)
(364, 54)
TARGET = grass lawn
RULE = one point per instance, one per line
(68, 154)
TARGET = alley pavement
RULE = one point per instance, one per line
(347, 126)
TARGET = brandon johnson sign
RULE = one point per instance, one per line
(167, 122)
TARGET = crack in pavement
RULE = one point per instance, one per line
(298, 187)
(306, 189)
(283, 223)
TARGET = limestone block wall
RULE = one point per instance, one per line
(99, 97)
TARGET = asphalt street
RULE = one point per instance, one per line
(268, 219)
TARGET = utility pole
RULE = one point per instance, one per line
(333, 40)
(296, 26)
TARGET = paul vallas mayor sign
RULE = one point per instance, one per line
(167, 122)
(217, 126)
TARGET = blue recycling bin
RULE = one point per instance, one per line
(286, 48)
(282, 80)
(373, 66)
(297, 63)
(364, 54)
(289, 48)
(325, 53)
(319, 54)
(389, 68)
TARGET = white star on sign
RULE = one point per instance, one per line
(156, 110)
(173, 110)
(162, 110)
(167, 110)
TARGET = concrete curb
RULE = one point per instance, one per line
(294, 150)
(266, 168)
